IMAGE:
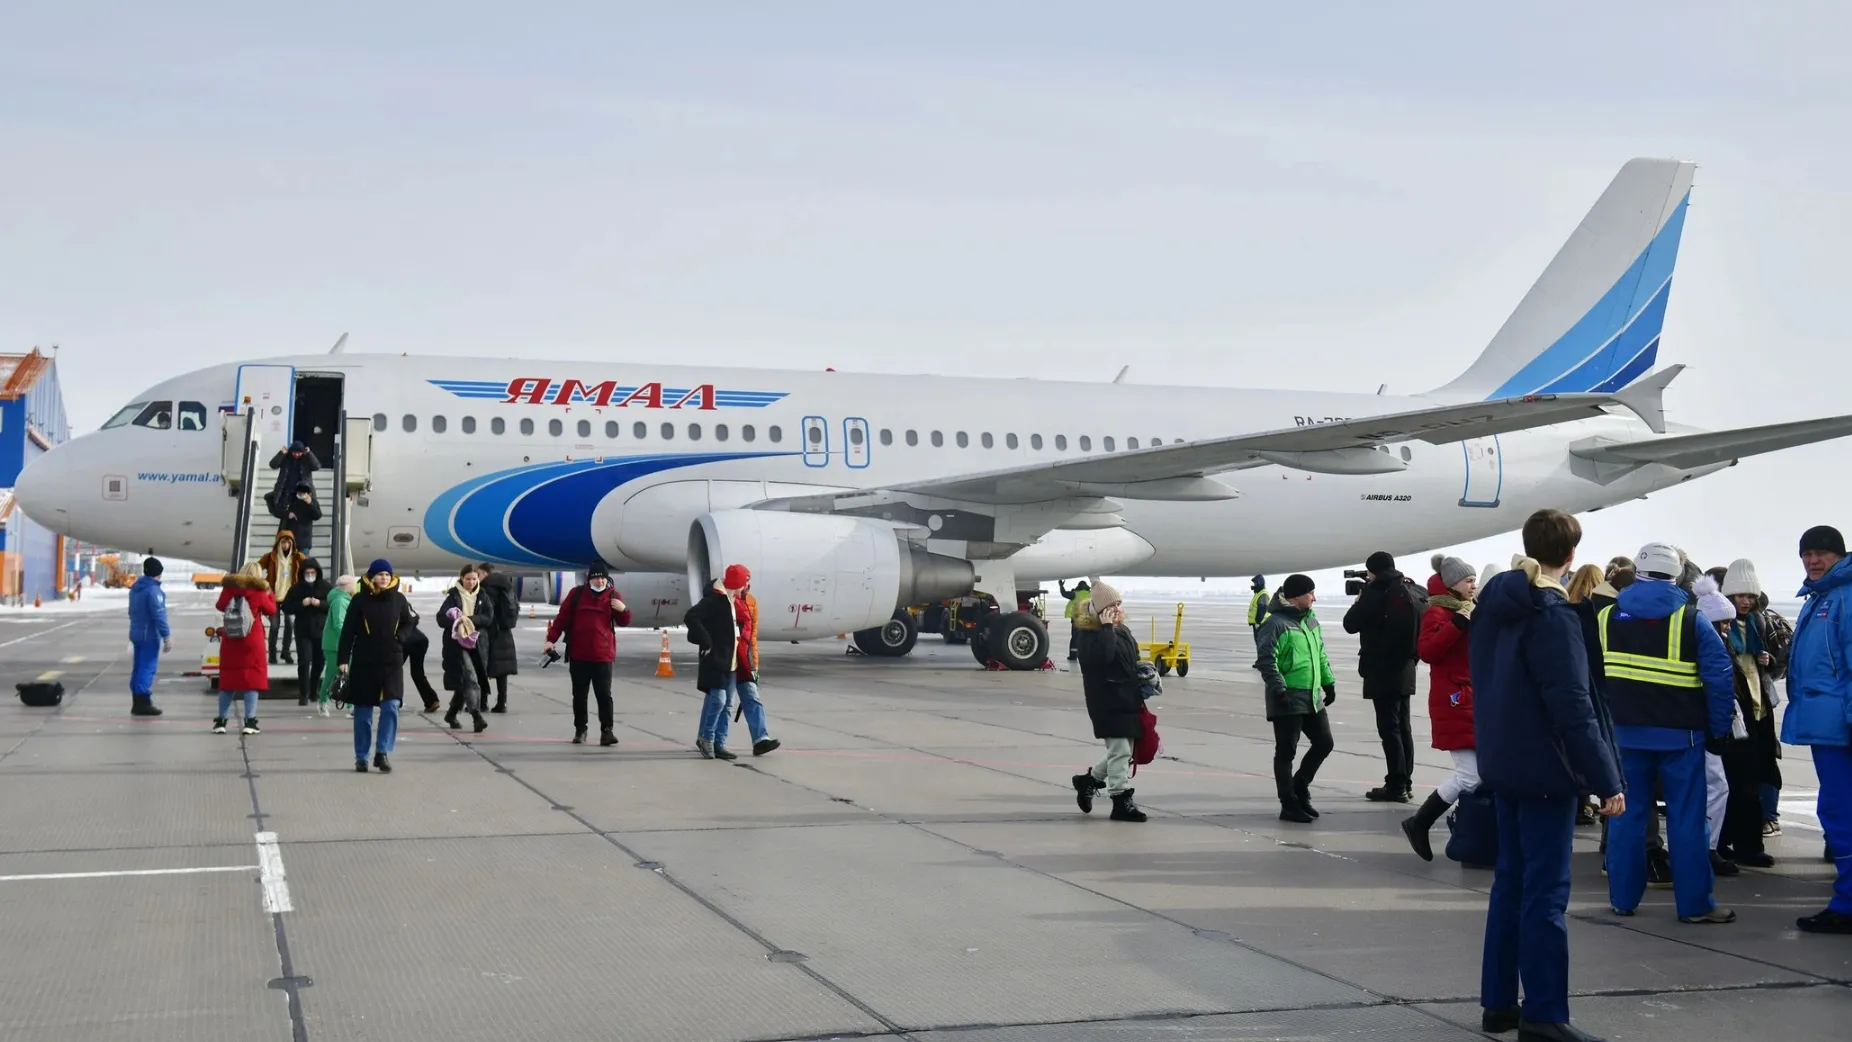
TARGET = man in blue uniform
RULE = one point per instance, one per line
(148, 634)
(1820, 706)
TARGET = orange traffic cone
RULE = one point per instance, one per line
(35, 601)
(664, 668)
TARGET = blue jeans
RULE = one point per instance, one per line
(1525, 936)
(1681, 771)
(388, 728)
(147, 656)
(1833, 765)
(225, 702)
(717, 709)
(1771, 801)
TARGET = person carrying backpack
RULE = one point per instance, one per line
(244, 668)
(1387, 620)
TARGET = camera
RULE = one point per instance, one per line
(548, 657)
(1354, 580)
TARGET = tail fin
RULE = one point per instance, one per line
(1592, 321)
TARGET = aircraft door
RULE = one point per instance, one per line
(816, 442)
(270, 390)
(1485, 472)
(855, 442)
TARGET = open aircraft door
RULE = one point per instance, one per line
(1485, 472)
(270, 391)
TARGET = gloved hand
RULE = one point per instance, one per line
(1717, 746)
(1331, 693)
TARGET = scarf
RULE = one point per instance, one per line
(1745, 647)
(467, 598)
(1534, 572)
(1446, 600)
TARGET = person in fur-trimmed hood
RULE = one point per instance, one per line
(282, 570)
(1444, 647)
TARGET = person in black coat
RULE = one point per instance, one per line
(499, 659)
(1387, 620)
(713, 627)
(1109, 676)
(298, 515)
(307, 604)
(293, 466)
(372, 657)
(464, 675)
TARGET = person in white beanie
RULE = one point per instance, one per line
(1718, 611)
(1109, 671)
(1758, 640)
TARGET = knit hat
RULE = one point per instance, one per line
(1380, 563)
(1260, 583)
(1104, 596)
(1486, 573)
(378, 566)
(1297, 586)
(1823, 537)
(1741, 578)
(1452, 570)
(1660, 561)
(1714, 606)
(597, 571)
(151, 566)
(737, 577)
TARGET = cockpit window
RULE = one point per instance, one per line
(128, 413)
(192, 416)
(157, 415)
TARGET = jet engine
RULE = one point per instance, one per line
(816, 575)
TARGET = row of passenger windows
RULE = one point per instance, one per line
(815, 435)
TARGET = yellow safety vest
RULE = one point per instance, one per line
(1635, 659)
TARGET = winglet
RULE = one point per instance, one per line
(1123, 371)
(339, 345)
(1647, 398)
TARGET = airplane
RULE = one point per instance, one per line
(855, 497)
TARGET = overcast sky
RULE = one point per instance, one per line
(1331, 195)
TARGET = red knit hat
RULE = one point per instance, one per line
(737, 577)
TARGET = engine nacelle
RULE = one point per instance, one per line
(817, 575)
(654, 598)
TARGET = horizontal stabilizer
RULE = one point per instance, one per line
(1690, 451)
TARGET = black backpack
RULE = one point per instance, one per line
(41, 694)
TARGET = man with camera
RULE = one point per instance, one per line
(1387, 620)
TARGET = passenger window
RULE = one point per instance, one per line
(498, 426)
(1107, 444)
(438, 425)
(938, 440)
(720, 432)
(668, 432)
(192, 416)
(612, 429)
(964, 440)
(555, 428)
(379, 421)
(694, 432)
(749, 433)
(1086, 443)
(816, 435)
(469, 425)
(158, 416)
(1035, 442)
(585, 428)
(129, 412)
(887, 436)
(987, 441)
(1407, 455)
(409, 423)
(1010, 441)
(775, 433)
(527, 428)
(639, 430)
(1061, 443)
(1131, 443)
(856, 437)
(913, 438)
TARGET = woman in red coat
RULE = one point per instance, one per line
(244, 663)
(1442, 645)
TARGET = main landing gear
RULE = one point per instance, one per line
(1013, 641)
(893, 639)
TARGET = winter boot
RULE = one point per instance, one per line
(1085, 785)
(1416, 826)
(381, 763)
(720, 753)
(360, 766)
(451, 721)
(765, 745)
(578, 736)
(1303, 793)
(250, 725)
(481, 724)
(1290, 810)
(1721, 866)
(1123, 809)
(605, 737)
(1385, 794)
(218, 725)
(144, 706)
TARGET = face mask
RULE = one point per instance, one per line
(309, 577)
(600, 584)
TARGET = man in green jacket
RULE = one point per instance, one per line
(1258, 611)
(1300, 685)
(1079, 603)
(338, 600)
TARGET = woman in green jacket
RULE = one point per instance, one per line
(1300, 685)
(338, 600)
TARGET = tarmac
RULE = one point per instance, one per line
(911, 865)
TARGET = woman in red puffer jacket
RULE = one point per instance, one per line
(1443, 646)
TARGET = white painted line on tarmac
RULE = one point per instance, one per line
(51, 674)
(41, 633)
(270, 863)
(71, 660)
(129, 872)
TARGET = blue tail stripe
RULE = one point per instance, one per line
(1637, 288)
(1630, 372)
(1626, 345)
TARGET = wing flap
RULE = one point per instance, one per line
(1690, 451)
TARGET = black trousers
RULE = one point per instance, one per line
(596, 678)
(416, 647)
(1073, 642)
(1286, 731)
(1742, 815)
(309, 665)
(1398, 735)
(472, 688)
(284, 626)
(501, 691)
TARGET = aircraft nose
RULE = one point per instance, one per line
(45, 489)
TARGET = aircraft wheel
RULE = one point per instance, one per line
(1019, 641)
(980, 644)
(891, 640)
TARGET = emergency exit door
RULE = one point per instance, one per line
(270, 392)
(1485, 472)
(816, 442)
(855, 442)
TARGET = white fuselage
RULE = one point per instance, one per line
(810, 432)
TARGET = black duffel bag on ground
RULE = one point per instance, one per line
(41, 694)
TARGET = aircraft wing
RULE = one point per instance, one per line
(1180, 471)
(1690, 451)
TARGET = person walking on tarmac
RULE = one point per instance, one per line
(1446, 650)
(338, 599)
(1670, 689)
(500, 659)
(149, 634)
(1115, 705)
(1257, 613)
(1297, 674)
(1820, 707)
(372, 656)
(713, 626)
(282, 570)
(307, 604)
(463, 616)
(1079, 602)
(1387, 620)
(1541, 743)
(588, 619)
